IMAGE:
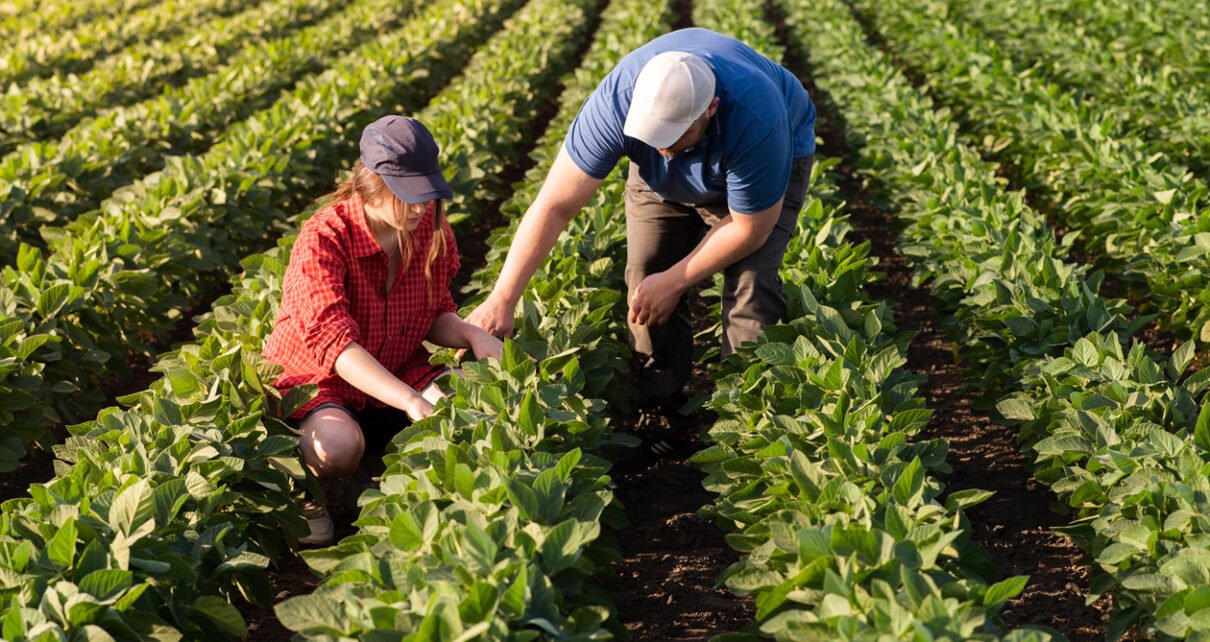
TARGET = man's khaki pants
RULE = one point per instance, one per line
(658, 234)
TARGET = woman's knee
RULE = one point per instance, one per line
(332, 443)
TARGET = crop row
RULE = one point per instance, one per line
(44, 108)
(42, 53)
(1131, 207)
(124, 275)
(22, 18)
(51, 182)
(209, 471)
(1111, 432)
(1165, 106)
(832, 504)
(1167, 34)
(481, 504)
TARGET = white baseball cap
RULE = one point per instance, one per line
(672, 91)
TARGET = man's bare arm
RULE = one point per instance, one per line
(565, 192)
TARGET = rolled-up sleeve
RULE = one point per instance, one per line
(595, 141)
(320, 300)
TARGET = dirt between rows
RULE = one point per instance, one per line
(1016, 525)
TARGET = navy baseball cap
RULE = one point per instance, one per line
(404, 154)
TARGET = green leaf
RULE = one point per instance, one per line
(94, 633)
(482, 547)
(169, 497)
(106, 583)
(126, 506)
(834, 378)
(14, 624)
(964, 499)
(530, 417)
(1201, 432)
(1181, 358)
(310, 613)
(1003, 591)
(1016, 409)
(563, 544)
(221, 613)
(53, 299)
(61, 550)
(406, 534)
(1085, 353)
(184, 384)
(31, 343)
(910, 485)
(567, 464)
(523, 497)
(777, 354)
(93, 558)
(515, 597)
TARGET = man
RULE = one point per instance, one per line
(721, 141)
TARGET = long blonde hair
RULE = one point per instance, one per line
(368, 185)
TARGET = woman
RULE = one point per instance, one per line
(368, 280)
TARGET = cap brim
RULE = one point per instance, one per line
(657, 133)
(419, 189)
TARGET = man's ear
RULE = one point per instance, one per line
(713, 108)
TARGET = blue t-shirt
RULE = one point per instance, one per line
(764, 121)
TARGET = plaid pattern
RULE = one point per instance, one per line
(334, 293)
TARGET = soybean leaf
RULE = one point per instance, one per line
(221, 613)
(1005, 590)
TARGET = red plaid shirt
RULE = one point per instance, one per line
(335, 293)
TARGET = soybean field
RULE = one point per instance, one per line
(984, 416)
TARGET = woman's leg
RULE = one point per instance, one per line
(332, 443)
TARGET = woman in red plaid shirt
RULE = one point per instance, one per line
(368, 280)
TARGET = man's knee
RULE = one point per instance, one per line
(332, 443)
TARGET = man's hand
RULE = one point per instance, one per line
(485, 345)
(563, 195)
(655, 299)
(494, 316)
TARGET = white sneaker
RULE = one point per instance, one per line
(323, 531)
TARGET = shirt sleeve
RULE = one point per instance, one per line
(320, 298)
(595, 141)
(759, 171)
(445, 298)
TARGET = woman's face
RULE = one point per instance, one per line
(411, 213)
(415, 212)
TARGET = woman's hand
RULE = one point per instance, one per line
(484, 345)
(417, 407)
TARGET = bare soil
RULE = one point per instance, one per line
(666, 586)
(1016, 525)
(36, 467)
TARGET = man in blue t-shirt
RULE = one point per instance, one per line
(721, 141)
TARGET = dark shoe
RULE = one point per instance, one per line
(664, 430)
(364, 479)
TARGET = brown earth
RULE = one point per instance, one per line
(1016, 524)
(666, 586)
